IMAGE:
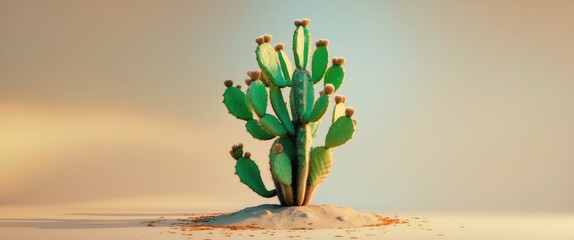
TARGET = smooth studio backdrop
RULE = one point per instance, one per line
(461, 105)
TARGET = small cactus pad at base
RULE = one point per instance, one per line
(250, 175)
(297, 168)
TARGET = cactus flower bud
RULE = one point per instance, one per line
(305, 22)
(349, 112)
(277, 148)
(329, 88)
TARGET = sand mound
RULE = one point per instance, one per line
(309, 217)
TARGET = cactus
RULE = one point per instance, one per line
(296, 167)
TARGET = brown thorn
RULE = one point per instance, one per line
(228, 83)
(338, 99)
(247, 155)
(238, 86)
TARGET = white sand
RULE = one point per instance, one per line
(270, 216)
(41, 222)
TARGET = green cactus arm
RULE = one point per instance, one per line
(250, 175)
(320, 162)
(309, 97)
(278, 104)
(286, 67)
(257, 96)
(301, 43)
(289, 150)
(281, 167)
(268, 61)
(319, 61)
(266, 79)
(272, 125)
(314, 127)
(257, 131)
(340, 132)
(236, 102)
(319, 108)
(335, 74)
(339, 109)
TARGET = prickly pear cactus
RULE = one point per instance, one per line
(297, 168)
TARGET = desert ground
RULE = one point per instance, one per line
(33, 223)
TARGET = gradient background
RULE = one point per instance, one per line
(462, 105)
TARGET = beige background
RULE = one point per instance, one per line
(461, 105)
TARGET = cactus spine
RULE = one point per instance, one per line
(296, 167)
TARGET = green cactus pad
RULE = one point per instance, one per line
(340, 132)
(301, 46)
(281, 167)
(269, 63)
(278, 104)
(288, 146)
(314, 126)
(335, 75)
(250, 175)
(286, 68)
(338, 111)
(320, 162)
(319, 63)
(265, 79)
(319, 108)
(236, 103)
(272, 125)
(257, 96)
(257, 131)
